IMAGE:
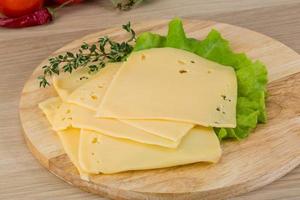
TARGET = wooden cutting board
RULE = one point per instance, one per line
(269, 153)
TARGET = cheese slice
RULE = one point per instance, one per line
(103, 154)
(70, 141)
(69, 137)
(66, 83)
(171, 130)
(91, 93)
(172, 84)
(50, 107)
(71, 115)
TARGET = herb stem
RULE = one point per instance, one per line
(93, 56)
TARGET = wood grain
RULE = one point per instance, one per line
(271, 152)
(22, 50)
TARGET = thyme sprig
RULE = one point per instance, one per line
(93, 56)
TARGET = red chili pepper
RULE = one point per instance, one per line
(39, 17)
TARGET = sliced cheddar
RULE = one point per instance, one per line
(69, 137)
(172, 84)
(71, 115)
(103, 154)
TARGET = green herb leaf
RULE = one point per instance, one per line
(127, 27)
(43, 81)
(93, 56)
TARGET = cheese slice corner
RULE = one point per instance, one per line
(49, 107)
(171, 130)
(69, 137)
(70, 140)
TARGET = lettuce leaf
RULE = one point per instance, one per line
(251, 76)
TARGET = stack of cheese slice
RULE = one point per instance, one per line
(155, 110)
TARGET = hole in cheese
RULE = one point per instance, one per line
(94, 97)
(83, 77)
(183, 71)
(95, 140)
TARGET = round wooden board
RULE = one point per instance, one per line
(269, 153)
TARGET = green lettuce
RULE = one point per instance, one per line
(251, 75)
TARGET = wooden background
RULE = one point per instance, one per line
(21, 176)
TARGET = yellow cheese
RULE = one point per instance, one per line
(70, 141)
(91, 93)
(66, 83)
(50, 107)
(172, 84)
(79, 117)
(69, 137)
(171, 130)
(100, 153)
